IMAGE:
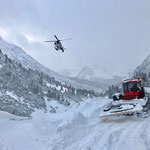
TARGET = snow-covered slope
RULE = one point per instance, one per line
(145, 66)
(76, 128)
(17, 54)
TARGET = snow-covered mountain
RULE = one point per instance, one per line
(85, 73)
(92, 71)
(99, 78)
(145, 66)
(16, 53)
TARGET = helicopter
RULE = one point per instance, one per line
(57, 44)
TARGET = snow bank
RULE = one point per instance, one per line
(75, 128)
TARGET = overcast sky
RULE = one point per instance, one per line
(113, 34)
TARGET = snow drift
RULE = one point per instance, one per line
(75, 128)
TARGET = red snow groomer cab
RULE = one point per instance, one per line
(132, 89)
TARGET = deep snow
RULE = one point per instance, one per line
(75, 128)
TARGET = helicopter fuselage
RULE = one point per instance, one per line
(58, 46)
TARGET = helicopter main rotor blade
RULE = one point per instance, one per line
(66, 39)
(56, 37)
(49, 41)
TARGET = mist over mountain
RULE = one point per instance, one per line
(99, 78)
